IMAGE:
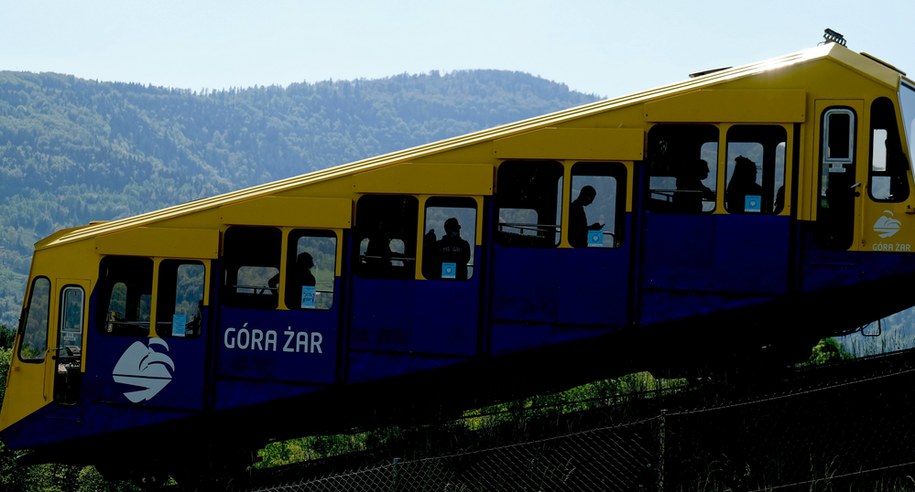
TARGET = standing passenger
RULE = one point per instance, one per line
(578, 220)
(453, 251)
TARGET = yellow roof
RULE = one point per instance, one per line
(863, 63)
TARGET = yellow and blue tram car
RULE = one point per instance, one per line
(766, 205)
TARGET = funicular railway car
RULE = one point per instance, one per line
(741, 214)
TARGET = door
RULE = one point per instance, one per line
(68, 354)
(729, 244)
(560, 262)
(415, 285)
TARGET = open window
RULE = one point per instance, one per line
(311, 259)
(386, 234)
(888, 178)
(179, 304)
(755, 169)
(529, 200)
(125, 291)
(451, 225)
(599, 222)
(251, 261)
(682, 168)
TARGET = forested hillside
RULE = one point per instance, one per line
(74, 150)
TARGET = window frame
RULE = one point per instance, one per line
(511, 195)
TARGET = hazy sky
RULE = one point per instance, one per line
(604, 47)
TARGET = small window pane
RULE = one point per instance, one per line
(251, 260)
(529, 198)
(71, 320)
(596, 212)
(311, 269)
(386, 234)
(683, 168)
(180, 302)
(755, 171)
(35, 328)
(125, 284)
(449, 238)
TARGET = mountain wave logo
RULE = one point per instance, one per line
(886, 226)
(144, 367)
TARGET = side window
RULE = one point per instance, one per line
(311, 261)
(836, 200)
(755, 169)
(125, 289)
(34, 327)
(386, 234)
(529, 201)
(71, 320)
(179, 311)
(451, 225)
(596, 210)
(251, 259)
(682, 168)
(888, 180)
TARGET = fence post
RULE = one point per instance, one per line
(662, 431)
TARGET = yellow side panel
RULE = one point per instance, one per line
(427, 179)
(618, 144)
(732, 106)
(333, 213)
(26, 391)
(28, 385)
(160, 241)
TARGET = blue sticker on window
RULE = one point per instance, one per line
(449, 270)
(595, 238)
(308, 297)
(752, 203)
(179, 325)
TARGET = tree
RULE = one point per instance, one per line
(827, 351)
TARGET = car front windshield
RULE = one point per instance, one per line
(907, 97)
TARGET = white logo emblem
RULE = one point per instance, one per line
(144, 368)
(886, 226)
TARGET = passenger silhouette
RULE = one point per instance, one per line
(743, 185)
(578, 219)
(691, 192)
(297, 277)
(378, 253)
(453, 251)
(300, 291)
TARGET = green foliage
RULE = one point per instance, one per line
(826, 351)
(310, 448)
(422, 441)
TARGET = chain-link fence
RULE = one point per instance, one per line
(815, 434)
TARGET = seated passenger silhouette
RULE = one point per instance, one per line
(691, 192)
(578, 220)
(743, 193)
(453, 252)
(377, 257)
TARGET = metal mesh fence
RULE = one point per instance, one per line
(815, 435)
